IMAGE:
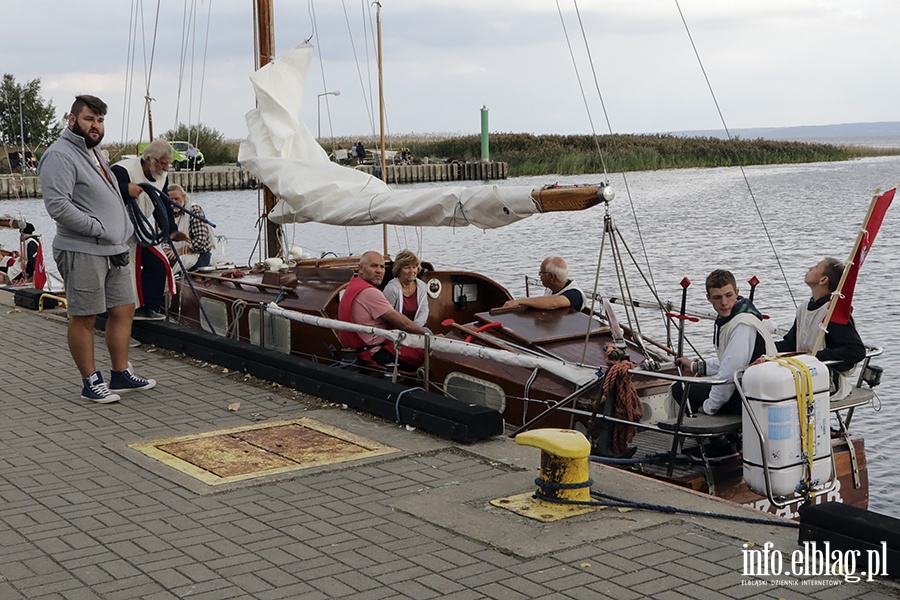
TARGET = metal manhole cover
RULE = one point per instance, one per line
(241, 453)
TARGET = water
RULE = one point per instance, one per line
(691, 221)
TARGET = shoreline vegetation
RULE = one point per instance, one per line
(528, 154)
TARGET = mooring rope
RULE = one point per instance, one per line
(615, 502)
(399, 396)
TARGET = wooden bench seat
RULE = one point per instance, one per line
(703, 425)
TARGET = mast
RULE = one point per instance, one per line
(147, 100)
(384, 229)
(266, 43)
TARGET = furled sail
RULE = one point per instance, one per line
(282, 153)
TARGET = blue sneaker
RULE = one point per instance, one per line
(127, 381)
(96, 390)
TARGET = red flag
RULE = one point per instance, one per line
(40, 272)
(864, 242)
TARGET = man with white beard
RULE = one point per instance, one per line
(151, 267)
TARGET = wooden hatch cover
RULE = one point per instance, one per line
(531, 326)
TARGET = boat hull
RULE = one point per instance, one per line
(460, 303)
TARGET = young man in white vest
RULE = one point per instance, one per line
(740, 338)
(841, 343)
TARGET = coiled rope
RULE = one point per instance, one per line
(146, 231)
(628, 404)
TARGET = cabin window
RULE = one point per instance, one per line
(217, 313)
(473, 390)
(278, 331)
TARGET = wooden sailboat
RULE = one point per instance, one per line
(293, 309)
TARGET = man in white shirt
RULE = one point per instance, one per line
(740, 338)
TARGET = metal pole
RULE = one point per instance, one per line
(485, 136)
(22, 131)
(319, 114)
(384, 230)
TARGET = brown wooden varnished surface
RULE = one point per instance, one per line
(532, 326)
(550, 199)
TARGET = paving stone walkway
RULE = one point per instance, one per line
(83, 517)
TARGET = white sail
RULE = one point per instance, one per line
(282, 153)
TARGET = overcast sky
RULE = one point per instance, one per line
(770, 63)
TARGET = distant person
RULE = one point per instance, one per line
(406, 292)
(7, 260)
(91, 249)
(841, 342)
(197, 251)
(354, 154)
(192, 157)
(740, 338)
(23, 269)
(151, 266)
(364, 304)
(360, 152)
(561, 292)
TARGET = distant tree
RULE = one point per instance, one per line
(210, 142)
(36, 119)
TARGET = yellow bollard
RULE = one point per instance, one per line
(564, 460)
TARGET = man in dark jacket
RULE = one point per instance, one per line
(841, 343)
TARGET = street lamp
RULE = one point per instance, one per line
(319, 115)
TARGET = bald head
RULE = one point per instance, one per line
(371, 267)
(554, 273)
(556, 266)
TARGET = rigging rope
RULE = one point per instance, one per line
(186, 20)
(129, 70)
(596, 139)
(189, 38)
(138, 16)
(737, 156)
(202, 82)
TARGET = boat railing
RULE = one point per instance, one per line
(574, 373)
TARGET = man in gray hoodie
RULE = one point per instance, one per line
(91, 249)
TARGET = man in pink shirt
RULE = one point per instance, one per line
(364, 304)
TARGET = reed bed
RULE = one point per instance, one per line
(529, 154)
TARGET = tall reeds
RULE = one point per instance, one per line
(529, 154)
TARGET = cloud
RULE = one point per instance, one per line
(770, 62)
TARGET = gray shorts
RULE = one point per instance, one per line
(93, 285)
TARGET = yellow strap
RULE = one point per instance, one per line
(803, 384)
